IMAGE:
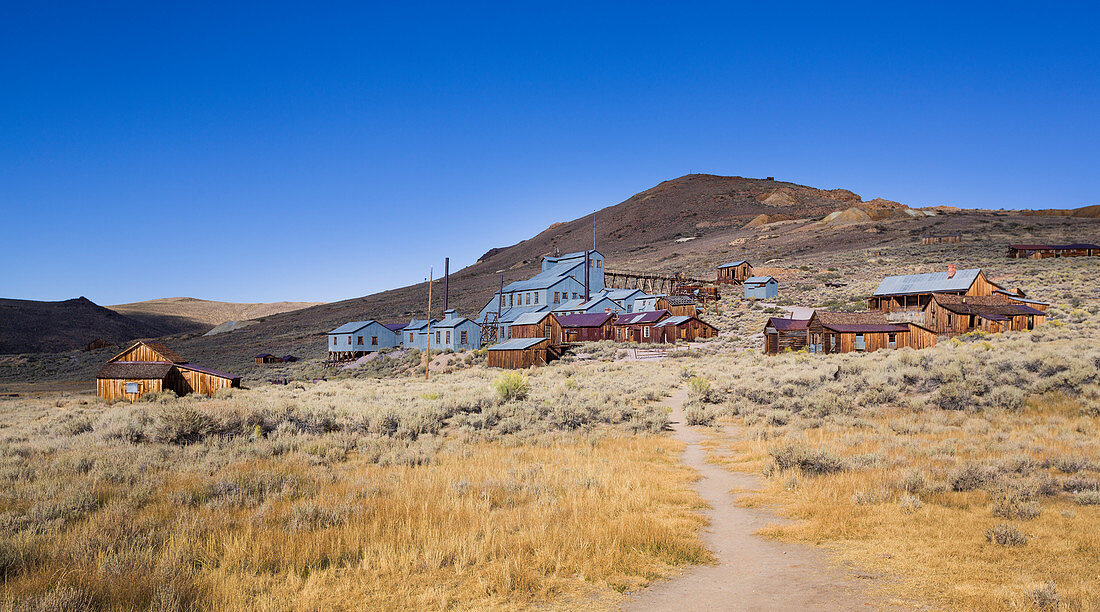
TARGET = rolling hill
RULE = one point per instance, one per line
(186, 315)
(28, 326)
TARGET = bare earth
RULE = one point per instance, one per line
(752, 573)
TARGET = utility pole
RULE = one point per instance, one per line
(428, 346)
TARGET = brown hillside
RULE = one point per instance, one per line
(28, 326)
(184, 314)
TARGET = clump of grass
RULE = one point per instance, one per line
(813, 461)
(699, 388)
(512, 386)
(1004, 534)
(699, 414)
(1046, 597)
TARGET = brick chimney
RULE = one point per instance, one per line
(950, 270)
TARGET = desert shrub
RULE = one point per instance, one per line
(910, 504)
(512, 386)
(1046, 597)
(1088, 498)
(1011, 504)
(317, 514)
(59, 599)
(699, 388)
(970, 476)
(912, 482)
(698, 414)
(815, 461)
(1004, 534)
(182, 425)
(953, 396)
(1006, 398)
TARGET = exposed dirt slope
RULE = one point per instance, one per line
(28, 326)
(184, 314)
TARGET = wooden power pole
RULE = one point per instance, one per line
(428, 346)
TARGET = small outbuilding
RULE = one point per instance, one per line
(538, 325)
(638, 326)
(267, 358)
(734, 272)
(587, 327)
(520, 353)
(415, 334)
(785, 335)
(678, 305)
(151, 367)
(684, 328)
(761, 287)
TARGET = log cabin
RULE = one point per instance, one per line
(678, 305)
(520, 353)
(951, 314)
(638, 326)
(734, 272)
(785, 335)
(587, 327)
(150, 367)
(1045, 251)
(847, 332)
(538, 325)
(684, 328)
(911, 292)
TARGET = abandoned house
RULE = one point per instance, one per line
(151, 367)
(455, 333)
(785, 335)
(588, 327)
(415, 334)
(761, 287)
(638, 326)
(912, 292)
(519, 353)
(355, 339)
(733, 272)
(957, 314)
(846, 332)
(538, 325)
(1045, 251)
(684, 328)
(678, 305)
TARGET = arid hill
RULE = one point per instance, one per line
(184, 314)
(28, 326)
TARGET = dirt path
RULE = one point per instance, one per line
(752, 573)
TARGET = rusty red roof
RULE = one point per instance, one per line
(584, 319)
(789, 324)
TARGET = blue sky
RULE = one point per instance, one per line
(262, 152)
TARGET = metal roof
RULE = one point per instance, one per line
(583, 305)
(417, 325)
(212, 372)
(732, 264)
(530, 318)
(759, 280)
(394, 326)
(351, 328)
(516, 344)
(546, 278)
(681, 300)
(619, 294)
(584, 319)
(675, 320)
(930, 282)
(633, 318)
(788, 324)
(450, 323)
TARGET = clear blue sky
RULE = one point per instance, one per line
(262, 152)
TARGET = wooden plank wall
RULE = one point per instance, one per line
(517, 359)
(207, 384)
(141, 353)
(539, 330)
(111, 388)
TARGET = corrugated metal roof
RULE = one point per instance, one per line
(530, 318)
(583, 305)
(584, 319)
(516, 344)
(417, 325)
(546, 278)
(732, 264)
(681, 300)
(788, 324)
(929, 282)
(674, 320)
(394, 326)
(620, 294)
(350, 328)
(758, 280)
(450, 323)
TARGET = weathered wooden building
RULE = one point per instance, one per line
(957, 314)
(519, 353)
(734, 272)
(150, 367)
(684, 328)
(912, 292)
(761, 287)
(846, 332)
(785, 335)
(1045, 251)
(538, 325)
(588, 327)
(678, 305)
(941, 238)
(638, 326)
(267, 358)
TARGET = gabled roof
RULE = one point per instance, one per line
(982, 305)
(641, 318)
(450, 323)
(759, 280)
(845, 319)
(681, 300)
(573, 255)
(620, 294)
(547, 278)
(781, 324)
(517, 344)
(584, 319)
(530, 318)
(134, 370)
(732, 264)
(395, 327)
(352, 327)
(930, 282)
(508, 315)
(868, 328)
(420, 325)
(166, 353)
(569, 305)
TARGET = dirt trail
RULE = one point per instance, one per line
(752, 573)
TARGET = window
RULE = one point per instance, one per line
(349, 340)
(133, 387)
(950, 320)
(536, 297)
(374, 340)
(410, 337)
(462, 337)
(360, 339)
(619, 333)
(528, 299)
(502, 300)
(437, 336)
(860, 344)
(645, 332)
(334, 341)
(511, 298)
(892, 340)
(549, 330)
(448, 336)
(557, 296)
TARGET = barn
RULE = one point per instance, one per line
(761, 287)
(847, 332)
(150, 367)
(638, 326)
(519, 353)
(678, 305)
(912, 292)
(733, 272)
(587, 327)
(685, 328)
(785, 335)
(957, 314)
(1045, 251)
(538, 325)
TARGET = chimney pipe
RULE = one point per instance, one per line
(950, 270)
(587, 296)
(446, 282)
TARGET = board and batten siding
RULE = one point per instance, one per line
(112, 388)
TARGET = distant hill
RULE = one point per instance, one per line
(27, 326)
(190, 315)
(1085, 212)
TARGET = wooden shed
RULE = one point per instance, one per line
(1045, 251)
(587, 327)
(267, 358)
(149, 367)
(678, 305)
(734, 272)
(638, 326)
(519, 353)
(846, 332)
(958, 314)
(684, 328)
(538, 325)
(785, 335)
